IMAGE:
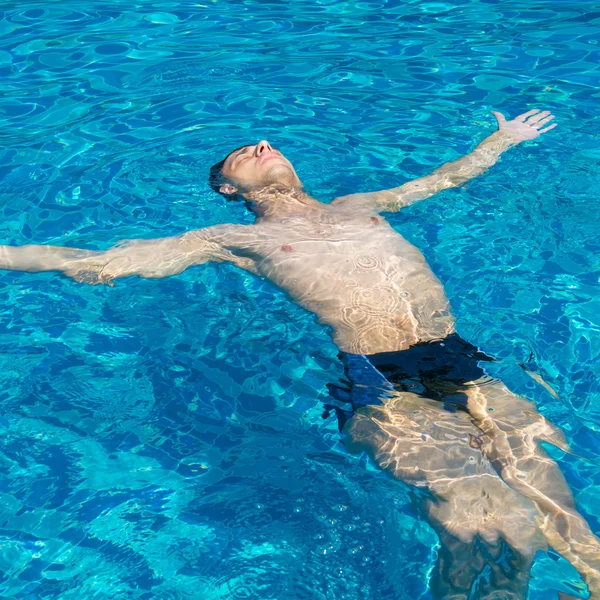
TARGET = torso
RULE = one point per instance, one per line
(357, 274)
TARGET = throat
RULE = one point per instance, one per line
(276, 201)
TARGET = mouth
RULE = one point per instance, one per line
(268, 156)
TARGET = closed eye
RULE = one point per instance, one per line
(237, 160)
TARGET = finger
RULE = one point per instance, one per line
(547, 128)
(544, 121)
(522, 117)
(499, 117)
(535, 118)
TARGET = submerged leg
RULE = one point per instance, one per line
(477, 570)
(487, 531)
(512, 430)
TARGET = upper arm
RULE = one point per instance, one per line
(396, 198)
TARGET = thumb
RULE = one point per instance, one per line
(499, 117)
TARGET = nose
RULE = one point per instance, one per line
(262, 147)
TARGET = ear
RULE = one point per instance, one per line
(227, 188)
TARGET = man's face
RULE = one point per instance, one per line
(257, 166)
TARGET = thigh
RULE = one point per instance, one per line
(478, 518)
(418, 440)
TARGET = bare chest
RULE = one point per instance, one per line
(359, 276)
(322, 256)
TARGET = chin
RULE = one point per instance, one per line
(281, 174)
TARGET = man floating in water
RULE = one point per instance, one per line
(416, 400)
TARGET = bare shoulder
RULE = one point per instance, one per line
(366, 202)
(230, 243)
(351, 199)
(226, 234)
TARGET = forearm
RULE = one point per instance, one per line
(484, 156)
(33, 258)
(451, 174)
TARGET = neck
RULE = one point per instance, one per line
(276, 201)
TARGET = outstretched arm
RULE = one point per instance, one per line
(527, 126)
(147, 258)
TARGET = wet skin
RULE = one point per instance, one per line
(487, 476)
(361, 278)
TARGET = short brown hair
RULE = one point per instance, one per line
(215, 175)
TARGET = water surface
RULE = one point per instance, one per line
(164, 439)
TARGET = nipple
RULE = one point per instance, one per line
(286, 248)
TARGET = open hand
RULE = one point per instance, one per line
(527, 126)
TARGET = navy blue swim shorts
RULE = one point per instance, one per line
(438, 370)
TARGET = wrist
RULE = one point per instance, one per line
(500, 141)
(506, 139)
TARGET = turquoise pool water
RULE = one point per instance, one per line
(164, 439)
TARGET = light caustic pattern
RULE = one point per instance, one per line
(164, 437)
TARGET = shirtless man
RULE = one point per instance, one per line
(416, 398)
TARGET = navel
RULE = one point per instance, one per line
(286, 248)
(374, 220)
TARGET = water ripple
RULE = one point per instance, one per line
(165, 438)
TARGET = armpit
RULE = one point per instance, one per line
(243, 262)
